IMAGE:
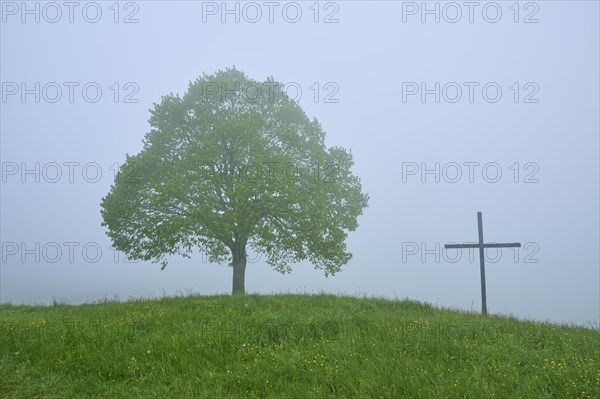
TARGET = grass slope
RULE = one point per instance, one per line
(288, 346)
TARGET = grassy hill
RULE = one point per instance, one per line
(288, 346)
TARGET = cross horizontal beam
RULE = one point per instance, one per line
(490, 245)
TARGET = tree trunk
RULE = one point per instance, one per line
(239, 268)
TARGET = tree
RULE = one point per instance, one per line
(235, 164)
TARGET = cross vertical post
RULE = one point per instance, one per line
(481, 245)
(482, 264)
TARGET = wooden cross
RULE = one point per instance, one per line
(481, 247)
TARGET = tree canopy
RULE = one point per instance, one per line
(235, 164)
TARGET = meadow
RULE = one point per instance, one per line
(288, 346)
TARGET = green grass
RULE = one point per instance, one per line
(288, 346)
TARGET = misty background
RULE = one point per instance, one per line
(526, 156)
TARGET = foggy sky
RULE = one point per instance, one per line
(473, 113)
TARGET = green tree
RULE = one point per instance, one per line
(235, 164)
